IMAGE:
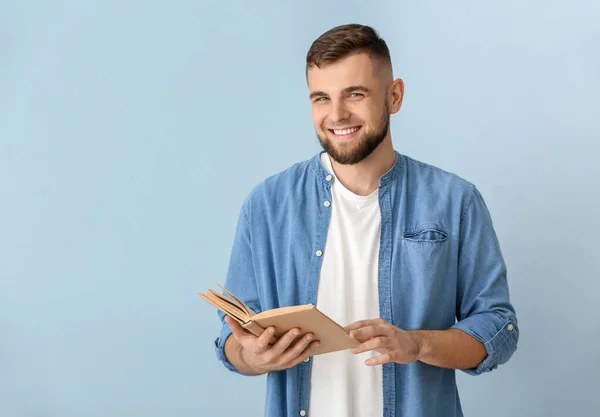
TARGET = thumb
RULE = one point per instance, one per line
(238, 331)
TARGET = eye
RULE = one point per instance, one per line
(320, 99)
(356, 95)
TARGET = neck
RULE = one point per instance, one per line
(363, 178)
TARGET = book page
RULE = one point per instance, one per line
(240, 302)
(226, 306)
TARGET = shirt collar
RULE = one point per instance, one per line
(385, 179)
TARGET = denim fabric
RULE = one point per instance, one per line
(440, 266)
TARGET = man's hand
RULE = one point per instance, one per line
(260, 357)
(394, 344)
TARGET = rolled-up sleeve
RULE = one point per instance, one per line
(484, 309)
(240, 281)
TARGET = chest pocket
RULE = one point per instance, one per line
(425, 276)
(424, 253)
(426, 233)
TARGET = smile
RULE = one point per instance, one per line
(345, 133)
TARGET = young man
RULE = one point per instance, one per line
(401, 252)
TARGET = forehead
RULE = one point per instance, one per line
(353, 70)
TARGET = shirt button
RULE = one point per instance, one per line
(510, 327)
(306, 360)
(329, 178)
(326, 203)
(319, 253)
(302, 413)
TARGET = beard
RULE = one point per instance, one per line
(350, 154)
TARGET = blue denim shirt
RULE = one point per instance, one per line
(440, 266)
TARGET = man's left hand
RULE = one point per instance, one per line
(393, 343)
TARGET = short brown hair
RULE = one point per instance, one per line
(343, 41)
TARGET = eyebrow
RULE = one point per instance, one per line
(346, 90)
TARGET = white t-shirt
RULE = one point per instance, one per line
(341, 383)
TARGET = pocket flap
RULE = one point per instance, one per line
(426, 233)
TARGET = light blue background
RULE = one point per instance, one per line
(130, 132)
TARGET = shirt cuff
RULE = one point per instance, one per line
(220, 348)
(499, 345)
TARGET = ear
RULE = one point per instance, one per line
(396, 95)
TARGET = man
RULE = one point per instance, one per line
(402, 253)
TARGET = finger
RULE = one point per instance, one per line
(365, 333)
(238, 331)
(263, 341)
(379, 360)
(305, 354)
(285, 341)
(364, 323)
(359, 324)
(297, 349)
(372, 344)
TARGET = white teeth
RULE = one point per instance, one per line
(345, 131)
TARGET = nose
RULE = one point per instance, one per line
(339, 112)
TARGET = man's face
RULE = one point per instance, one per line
(350, 108)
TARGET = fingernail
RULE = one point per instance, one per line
(309, 337)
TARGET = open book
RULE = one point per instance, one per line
(307, 318)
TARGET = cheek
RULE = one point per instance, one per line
(318, 117)
(366, 115)
(370, 119)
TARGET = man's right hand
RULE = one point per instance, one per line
(258, 357)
